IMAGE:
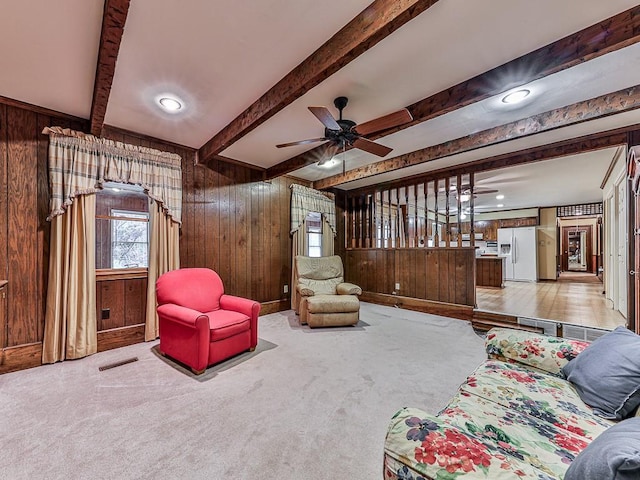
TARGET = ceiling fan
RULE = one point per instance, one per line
(465, 190)
(343, 132)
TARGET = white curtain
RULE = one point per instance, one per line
(78, 166)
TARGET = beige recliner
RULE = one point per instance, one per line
(324, 299)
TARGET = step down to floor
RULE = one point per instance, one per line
(485, 321)
(486, 325)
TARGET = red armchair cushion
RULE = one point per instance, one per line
(197, 288)
(225, 323)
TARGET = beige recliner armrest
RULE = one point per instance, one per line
(305, 291)
(346, 288)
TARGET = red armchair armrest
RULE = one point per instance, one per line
(250, 308)
(187, 338)
(183, 315)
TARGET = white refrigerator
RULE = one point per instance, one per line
(519, 246)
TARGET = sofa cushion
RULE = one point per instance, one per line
(541, 351)
(419, 445)
(544, 445)
(226, 323)
(614, 455)
(607, 374)
(540, 395)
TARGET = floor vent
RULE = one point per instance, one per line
(578, 332)
(118, 364)
(548, 327)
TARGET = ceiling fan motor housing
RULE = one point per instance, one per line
(344, 135)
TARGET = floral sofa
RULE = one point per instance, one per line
(515, 417)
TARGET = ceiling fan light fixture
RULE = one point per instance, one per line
(516, 97)
(328, 163)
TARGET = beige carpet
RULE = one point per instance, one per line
(308, 404)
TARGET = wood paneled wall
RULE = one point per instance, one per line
(24, 231)
(436, 274)
(232, 222)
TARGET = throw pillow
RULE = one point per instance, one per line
(607, 374)
(615, 454)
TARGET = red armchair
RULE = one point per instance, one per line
(200, 325)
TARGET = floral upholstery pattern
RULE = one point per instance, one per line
(549, 354)
(513, 419)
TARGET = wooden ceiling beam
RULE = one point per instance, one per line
(376, 22)
(599, 107)
(604, 37)
(113, 20)
(574, 146)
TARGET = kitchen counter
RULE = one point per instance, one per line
(490, 271)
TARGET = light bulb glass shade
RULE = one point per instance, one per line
(517, 96)
(170, 104)
(327, 163)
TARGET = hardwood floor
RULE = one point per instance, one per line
(572, 300)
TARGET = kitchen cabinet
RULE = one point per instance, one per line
(490, 271)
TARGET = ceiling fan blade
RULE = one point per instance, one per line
(371, 147)
(324, 115)
(301, 142)
(382, 123)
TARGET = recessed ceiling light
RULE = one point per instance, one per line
(170, 104)
(500, 205)
(499, 197)
(516, 97)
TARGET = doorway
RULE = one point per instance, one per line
(577, 250)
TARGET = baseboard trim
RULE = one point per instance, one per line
(462, 312)
(275, 306)
(120, 337)
(20, 357)
(26, 356)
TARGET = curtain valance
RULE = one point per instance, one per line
(79, 164)
(305, 200)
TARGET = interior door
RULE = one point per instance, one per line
(622, 247)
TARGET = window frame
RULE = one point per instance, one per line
(122, 273)
(129, 216)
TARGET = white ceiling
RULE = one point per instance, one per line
(219, 56)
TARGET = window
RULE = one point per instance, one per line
(122, 227)
(314, 234)
(129, 239)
